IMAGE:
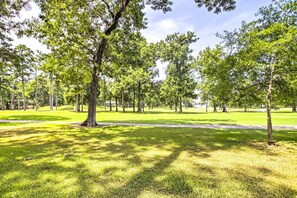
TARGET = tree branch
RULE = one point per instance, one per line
(108, 8)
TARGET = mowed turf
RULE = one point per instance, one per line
(159, 116)
(51, 160)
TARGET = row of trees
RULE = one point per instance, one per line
(256, 63)
(97, 51)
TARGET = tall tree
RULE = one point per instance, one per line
(24, 64)
(177, 52)
(89, 25)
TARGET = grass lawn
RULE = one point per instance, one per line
(51, 160)
(159, 116)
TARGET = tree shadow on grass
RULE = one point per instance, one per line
(120, 149)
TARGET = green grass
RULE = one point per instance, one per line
(50, 160)
(159, 116)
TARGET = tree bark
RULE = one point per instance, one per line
(2, 102)
(215, 107)
(116, 101)
(18, 98)
(91, 119)
(56, 102)
(36, 91)
(51, 98)
(175, 105)
(134, 99)
(82, 102)
(139, 96)
(180, 105)
(11, 101)
(268, 103)
(24, 93)
(77, 106)
(123, 100)
(206, 107)
(224, 108)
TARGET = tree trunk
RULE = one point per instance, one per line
(134, 98)
(116, 101)
(2, 102)
(11, 101)
(91, 119)
(138, 96)
(104, 93)
(245, 109)
(36, 91)
(18, 98)
(110, 105)
(123, 100)
(56, 102)
(77, 106)
(180, 105)
(224, 108)
(82, 102)
(206, 107)
(215, 107)
(294, 106)
(175, 105)
(51, 98)
(268, 104)
(24, 93)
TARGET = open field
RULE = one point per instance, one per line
(50, 160)
(158, 116)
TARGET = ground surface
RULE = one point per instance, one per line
(63, 160)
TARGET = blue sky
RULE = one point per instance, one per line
(186, 16)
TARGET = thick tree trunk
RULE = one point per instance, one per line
(82, 102)
(245, 109)
(123, 100)
(268, 104)
(294, 106)
(180, 105)
(24, 93)
(215, 107)
(139, 97)
(91, 119)
(77, 106)
(116, 101)
(51, 98)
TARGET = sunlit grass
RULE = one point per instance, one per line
(156, 116)
(50, 160)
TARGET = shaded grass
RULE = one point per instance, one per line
(71, 161)
(157, 117)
